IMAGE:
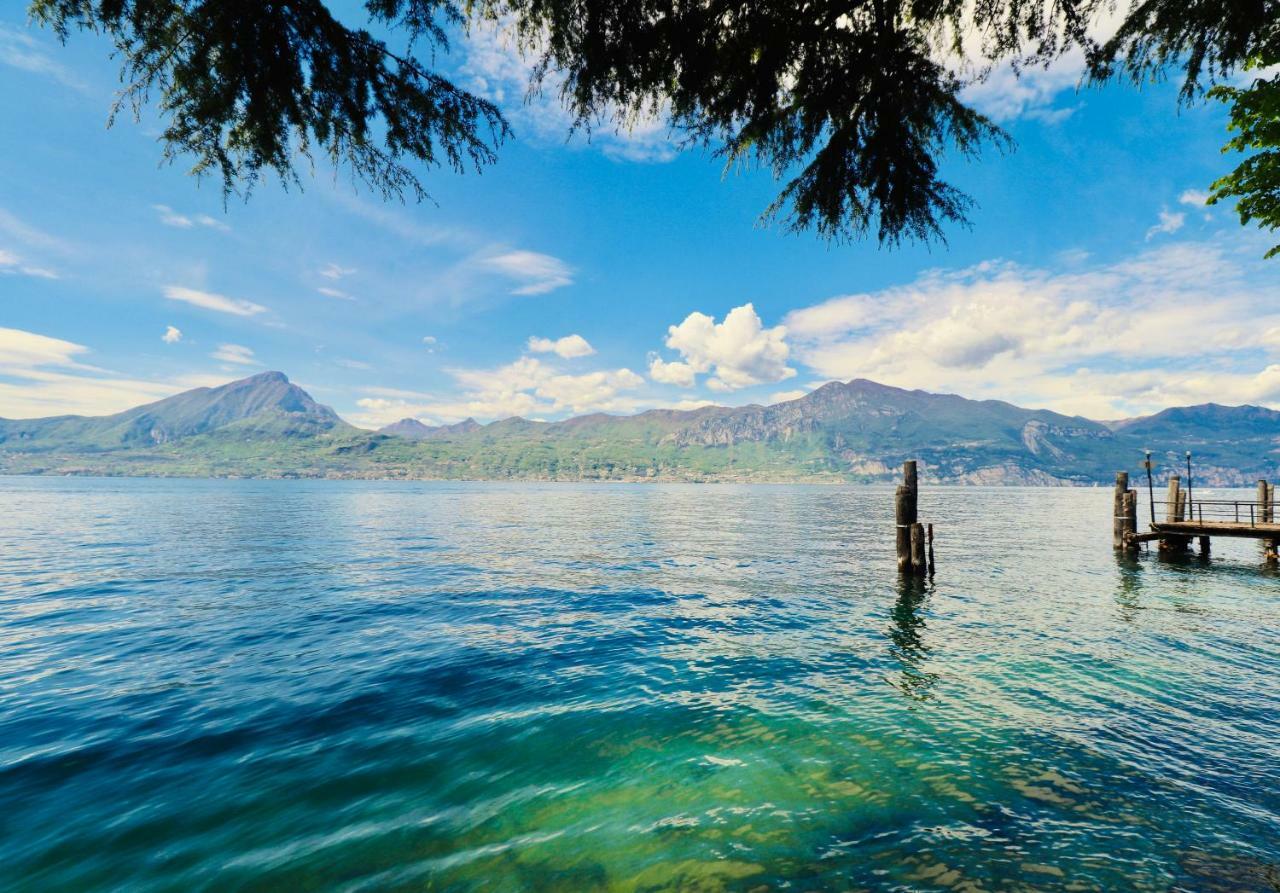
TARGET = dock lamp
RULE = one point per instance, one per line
(1190, 510)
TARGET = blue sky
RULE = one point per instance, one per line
(616, 274)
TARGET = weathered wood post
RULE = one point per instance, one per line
(1129, 519)
(1259, 514)
(919, 561)
(905, 514)
(903, 538)
(1266, 515)
(1117, 512)
(930, 532)
(1172, 514)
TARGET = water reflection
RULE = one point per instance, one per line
(907, 634)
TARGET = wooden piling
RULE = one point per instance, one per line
(900, 515)
(1117, 521)
(1174, 507)
(906, 514)
(929, 528)
(919, 561)
(1129, 519)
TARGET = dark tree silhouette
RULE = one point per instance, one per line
(852, 104)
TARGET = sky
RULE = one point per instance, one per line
(616, 273)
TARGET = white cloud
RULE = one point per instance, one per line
(676, 373)
(1183, 323)
(738, 353)
(170, 217)
(1170, 222)
(52, 380)
(13, 265)
(235, 353)
(1004, 94)
(784, 396)
(172, 335)
(354, 364)
(1196, 198)
(22, 51)
(211, 301)
(336, 293)
(537, 273)
(495, 67)
(20, 349)
(528, 387)
(335, 272)
(569, 347)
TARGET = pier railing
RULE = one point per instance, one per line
(1239, 511)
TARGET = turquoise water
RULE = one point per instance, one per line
(231, 685)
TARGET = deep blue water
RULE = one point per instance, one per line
(273, 685)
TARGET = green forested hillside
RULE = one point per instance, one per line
(265, 426)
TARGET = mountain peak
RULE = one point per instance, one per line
(266, 378)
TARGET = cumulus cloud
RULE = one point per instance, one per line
(534, 273)
(211, 301)
(674, 372)
(1196, 198)
(235, 353)
(1170, 222)
(1005, 94)
(528, 387)
(172, 335)
(738, 353)
(569, 347)
(1183, 323)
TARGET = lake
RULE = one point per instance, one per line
(314, 685)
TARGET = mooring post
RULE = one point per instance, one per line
(905, 514)
(1265, 515)
(919, 561)
(1171, 509)
(1117, 510)
(930, 532)
(1129, 519)
(903, 539)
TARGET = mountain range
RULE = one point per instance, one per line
(265, 426)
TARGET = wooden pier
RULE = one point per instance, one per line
(1186, 518)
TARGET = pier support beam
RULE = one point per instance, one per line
(1129, 520)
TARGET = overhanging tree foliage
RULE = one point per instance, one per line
(853, 104)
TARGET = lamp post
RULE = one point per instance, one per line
(1151, 492)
